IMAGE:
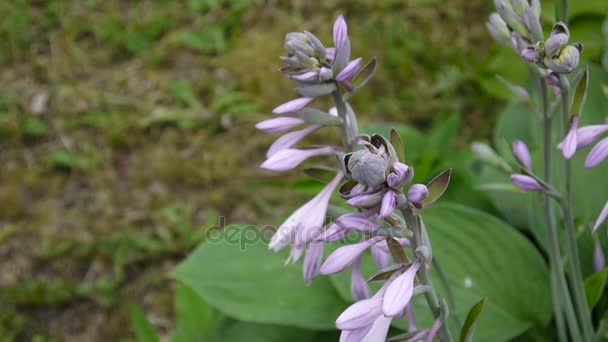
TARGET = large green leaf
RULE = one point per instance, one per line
(482, 257)
(253, 332)
(236, 273)
(196, 320)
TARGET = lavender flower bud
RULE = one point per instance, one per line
(340, 32)
(292, 106)
(350, 70)
(599, 261)
(598, 154)
(566, 61)
(401, 175)
(279, 125)
(287, 159)
(526, 183)
(569, 145)
(589, 134)
(600, 219)
(366, 200)
(389, 203)
(345, 256)
(312, 261)
(358, 284)
(367, 168)
(560, 35)
(522, 154)
(400, 291)
(529, 54)
(417, 193)
(498, 28)
(325, 74)
(360, 314)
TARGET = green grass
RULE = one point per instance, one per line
(147, 134)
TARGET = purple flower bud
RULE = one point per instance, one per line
(289, 158)
(367, 168)
(400, 291)
(566, 61)
(366, 200)
(290, 139)
(360, 222)
(417, 193)
(279, 125)
(344, 257)
(555, 43)
(358, 284)
(360, 314)
(356, 335)
(589, 134)
(312, 261)
(401, 175)
(569, 144)
(600, 219)
(307, 76)
(330, 54)
(293, 105)
(381, 256)
(389, 203)
(599, 261)
(340, 32)
(379, 330)
(325, 74)
(498, 28)
(598, 154)
(526, 183)
(311, 214)
(529, 54)
(350, 70)
(522, 154)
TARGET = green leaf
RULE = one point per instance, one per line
(144, 332)
(253, 332)
(482, 257)
(437, 187)
(580, 94)
(594, 286)
(364, 75)
(396, 250)
(398, 145)
(236, 273)
(196, 319)
(466, 335)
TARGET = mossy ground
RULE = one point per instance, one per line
(126, 129)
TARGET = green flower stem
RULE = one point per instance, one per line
(566, 206)
(412, 221)
(560, 287)
(347, 130)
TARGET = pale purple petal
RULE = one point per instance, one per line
(401, 175)
(355, 335)
(330, 53)
(568, 146)
(411, 318)
(379, 330)
(345, 256)
(293, 105)
(381, 256)
(600, 219)
(599, 260)
(522, 154)
(287, 159)
(349, 70)
(358, 284)
(290, 139)
(312, 261)
(340, 32)
(366, 200)
(279, 125)
(589, 134)
(307, 76)
(400, 291)
(433, 331)
(360, 222)
(360, 314)
(417, 193)
(311, 214)
(598, 154)
(526, 183)
(333, 233)
(389, 203)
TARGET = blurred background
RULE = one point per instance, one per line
(126, 131)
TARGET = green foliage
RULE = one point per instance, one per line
(236, 273)
(594, 287)
(469, 323)
(144, 331)
(470, 246)
(196, 320)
